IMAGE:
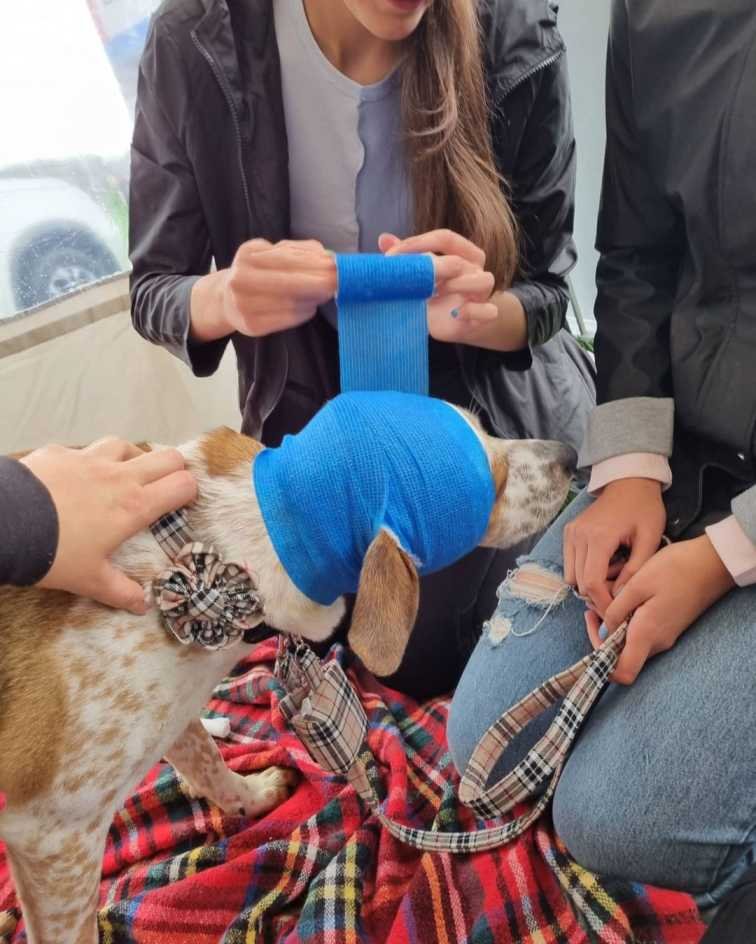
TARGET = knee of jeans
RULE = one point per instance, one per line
(578, 829)
(605, 822)
(492, 683)
(527, 598)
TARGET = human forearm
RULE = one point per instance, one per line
(208, 320)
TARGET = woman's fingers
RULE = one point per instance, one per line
(444, 242)
(387, 241)
(593, 624)
(115, 589)
(306, 245)
(580, 554)
(254, 245)
(476, 312)
(113, 448)
(639, 646)
(167, 494)
(446, 270)
(475, 286)
(645, 545)
(593, 581)
(148, 467)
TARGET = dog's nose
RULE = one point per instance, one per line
(564, 455)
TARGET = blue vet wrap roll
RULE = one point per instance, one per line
(365, 462)
(383, 329)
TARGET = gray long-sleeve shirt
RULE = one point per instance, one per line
(348, 179)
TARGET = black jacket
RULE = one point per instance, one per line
(28, 524)
(209, 170)
(676, 307)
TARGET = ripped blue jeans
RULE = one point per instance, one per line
(661, 784)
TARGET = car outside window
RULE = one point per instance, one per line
(68, 76)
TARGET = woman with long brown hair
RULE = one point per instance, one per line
(270, 133)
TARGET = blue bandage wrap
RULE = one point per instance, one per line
(368, 461)
(383, 329)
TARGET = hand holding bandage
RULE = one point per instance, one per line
(273, 287)
(384, 304)
(461, 308)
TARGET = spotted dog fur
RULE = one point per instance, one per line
(91, 698)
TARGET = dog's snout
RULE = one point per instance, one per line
(567, 457)
(559, 454)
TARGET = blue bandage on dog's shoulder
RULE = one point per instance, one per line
(383, 329)
(369, 461)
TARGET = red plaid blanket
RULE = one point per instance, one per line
(319, 869)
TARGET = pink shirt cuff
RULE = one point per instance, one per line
(737, 550)
(633, 465)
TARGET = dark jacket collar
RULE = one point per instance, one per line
(224, 26)
(520, 37)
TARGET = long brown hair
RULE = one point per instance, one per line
(446, 120)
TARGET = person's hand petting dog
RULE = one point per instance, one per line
(103, 495)
(666, 596)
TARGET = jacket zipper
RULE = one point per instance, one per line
(534, 71)
(221, 79)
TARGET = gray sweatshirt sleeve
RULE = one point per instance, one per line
(28, 526)
(744, 509)
(632, 424)
(168, 238)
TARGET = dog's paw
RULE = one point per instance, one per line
(261, 792)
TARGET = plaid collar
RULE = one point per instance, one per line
(201, 598)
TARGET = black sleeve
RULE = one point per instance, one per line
(169, 241)
(541, 173)
(640, 240)
(28, 525)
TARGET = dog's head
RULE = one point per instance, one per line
(531, 480)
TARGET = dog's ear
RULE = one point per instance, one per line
(386, 606)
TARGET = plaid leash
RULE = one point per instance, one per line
(324, 710)
(211, 603)
(202, 599)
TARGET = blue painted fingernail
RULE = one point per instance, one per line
(603, 632)
(455, 312)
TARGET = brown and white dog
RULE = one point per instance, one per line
(91, 698)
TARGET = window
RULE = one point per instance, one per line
(68, 75)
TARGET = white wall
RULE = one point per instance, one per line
(74, 386)
(585, 25)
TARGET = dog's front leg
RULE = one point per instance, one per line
(198, 760)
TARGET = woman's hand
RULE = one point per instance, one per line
(628, 515)
(661, 601)
(461, 310)
(104, 495)
(268, 288)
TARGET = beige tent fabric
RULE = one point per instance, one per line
(75, 370)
